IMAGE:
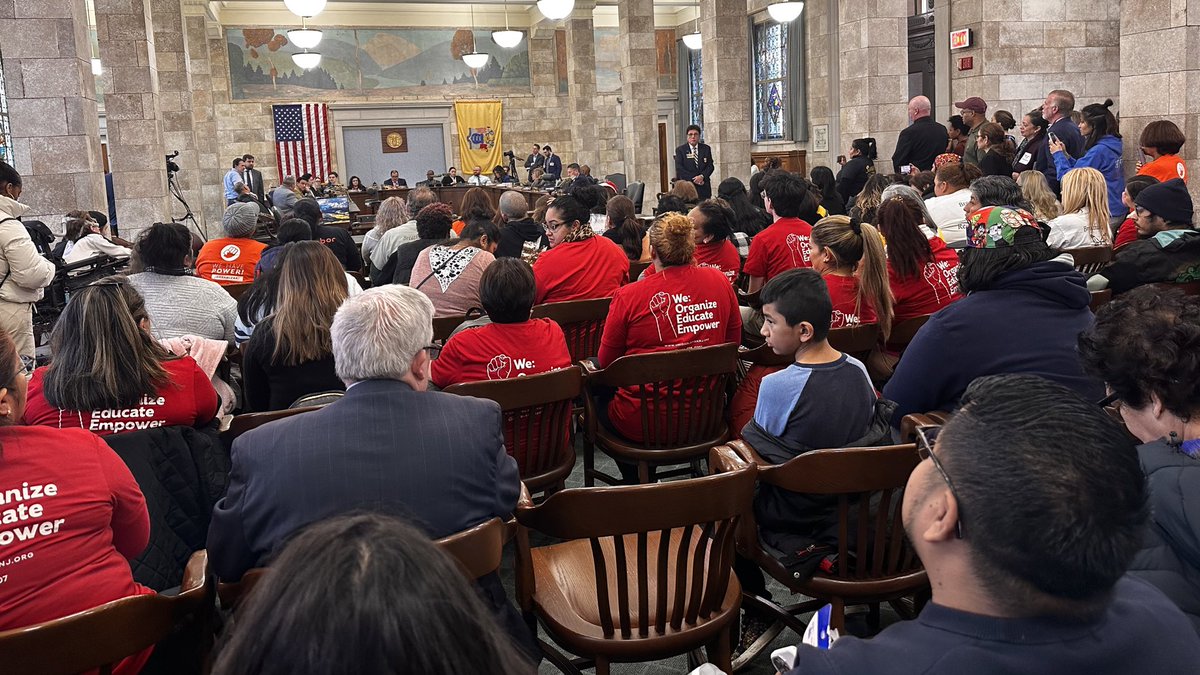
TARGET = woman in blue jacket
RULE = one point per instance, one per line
(1101, 151)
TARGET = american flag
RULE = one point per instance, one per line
(302, 139)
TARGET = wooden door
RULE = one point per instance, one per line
(663, 153)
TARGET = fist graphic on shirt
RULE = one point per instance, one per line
(799, 247)
(500, 367)
(659, 303)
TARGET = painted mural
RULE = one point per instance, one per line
(388, 62)
(608, 59)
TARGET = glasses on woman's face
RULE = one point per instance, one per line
(433, 351)
(926, 437)
(552, 225)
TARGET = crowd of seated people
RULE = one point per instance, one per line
(1010, 349)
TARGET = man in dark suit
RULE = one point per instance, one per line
(395, 181)
(252, 178)
(694, 162)
(391, 447)
(1057, 109)
(921, 141)
(551, 164)
(535, 160)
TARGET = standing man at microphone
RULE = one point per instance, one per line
(694, 162)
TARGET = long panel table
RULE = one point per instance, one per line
(452, 195)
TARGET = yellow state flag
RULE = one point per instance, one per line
(479, 144)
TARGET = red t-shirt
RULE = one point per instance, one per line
(1126, 234)
(498, 351)
(188, 399)
(580, 270)
(934, 287)
(73, 517)
(229, 260)
(722, 255)
(684, 306)
(847, 311)
(779, 248)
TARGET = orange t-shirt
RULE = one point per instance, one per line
(229, 261)
(1165, 168)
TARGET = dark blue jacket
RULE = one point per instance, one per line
(1026, 322)
(1069, 134)
(1170, 555)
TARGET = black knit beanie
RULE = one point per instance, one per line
(1169, 201)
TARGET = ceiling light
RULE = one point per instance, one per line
(692, 40)
(475, 60)
(784, 12)
(304, 38)
(555, 9)
(507, 38)
(306, 60)
(305, 7)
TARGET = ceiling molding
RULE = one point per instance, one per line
(489, 14)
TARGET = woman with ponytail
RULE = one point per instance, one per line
(624, 229)
(850, 256)
(922, 271)
(1101, 151)
(856, 171)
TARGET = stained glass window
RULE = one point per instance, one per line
(771, 110)
(6, 153)
(695, 88)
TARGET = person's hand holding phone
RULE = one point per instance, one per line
(1055, 144)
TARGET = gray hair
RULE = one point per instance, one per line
(513, 205)
(419, 199)
(238, 186)
(378, 333)
(909, 194)
(999, 191)
(289, 181)
(393, 212)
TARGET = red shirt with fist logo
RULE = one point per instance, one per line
(783, 246)
(498, 351)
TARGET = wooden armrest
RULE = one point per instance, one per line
(524, 501)
(724, 459)
(195, 575)
(748, 454)
(909, 423)
(589, 368)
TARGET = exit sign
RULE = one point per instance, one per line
(960, 39)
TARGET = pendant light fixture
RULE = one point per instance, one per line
(476, 59)
(692, 40)
(305, 8)
(507, 38)
(555, 9)
(304, 37)
(786, 11)
(306, 59)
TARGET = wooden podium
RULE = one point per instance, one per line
(791, 160)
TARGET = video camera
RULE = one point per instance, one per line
(172, 167)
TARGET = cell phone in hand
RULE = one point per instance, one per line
(1051, 135)
(905, 169)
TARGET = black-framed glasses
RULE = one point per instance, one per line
(433, 351)
(1111, 400)
(926, 437)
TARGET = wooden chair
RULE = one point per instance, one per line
(99, 638)
(881, 566)
(645, 572)
(537, 422)
(582, 322)
(910, 422)
(1100, 299)
(236, 291)
(682, 403)
(247, 421)
(1188, 288)
(904, 332)
(1092, 259)
(857, 341)
(636, 269)
(445, 325)
(477, 551)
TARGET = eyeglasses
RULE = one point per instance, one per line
(926, 436)
(551, 226)
(1111, 400)
(1140, 211)
(433, 351)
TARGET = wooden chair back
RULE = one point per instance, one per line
(636, 269)
(1188, 288)
(236, 291)
(537, 421)
(582, 322)
(904, 332)
(686, 575)
(1092, 259)
(247, 421)
(681, 393)
(477, 551)
(99, 638)
(1100, 298)
(443, 326)
(857, 341)
(869, 486)
(763, 355)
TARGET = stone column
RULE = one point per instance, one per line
(52, 106)
(1160, 76)
(171, 49)
(581, 77)
(639, 94)
(727, 86)
(873, 36)
(135, 142)
(204, 122)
